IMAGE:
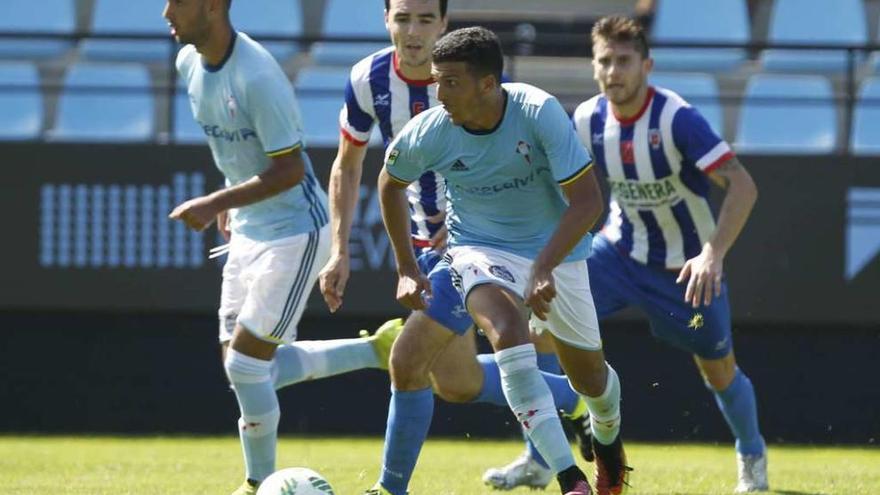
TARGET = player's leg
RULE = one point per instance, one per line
(490, 281)
(574, 325)
(278, 276)
(706, 333)
(314, 359)
(412, 400)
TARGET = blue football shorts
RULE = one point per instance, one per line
(445, 305)
(617, 281)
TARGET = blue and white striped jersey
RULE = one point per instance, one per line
(249, 113)
(377, 93)
(657, 164)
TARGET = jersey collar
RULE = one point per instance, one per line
(648, 97)
(411, 82)
(214, 68)
(483, 132)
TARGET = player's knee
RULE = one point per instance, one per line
(241, 368)
(507, 330)
(407, 372)
(455, 388)
(718, 373)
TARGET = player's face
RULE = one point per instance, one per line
(460, 91)
(620, 71)
(188, 20)
(415, 26)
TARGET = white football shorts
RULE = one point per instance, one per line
(572, 317)
(266, 283)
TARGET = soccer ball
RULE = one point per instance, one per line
(295, 481)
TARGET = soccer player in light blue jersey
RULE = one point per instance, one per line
(278, 219)
(522, 198)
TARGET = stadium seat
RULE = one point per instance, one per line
(786, 114)
(50, 16)
(314, 79)
(271, 18)
(22, 115)
(110, 102)
(828, 22)
(700, 90)
(866, 120)
(320, 114)
(350, 18)
(186, 129)
(718, 21)
(138, 17)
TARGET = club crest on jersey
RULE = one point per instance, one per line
(231, 106)
(524, 148)
(502, 272)
(654, 138)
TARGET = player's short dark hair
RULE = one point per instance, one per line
(477, 47)
(620, 29)
(443, 4)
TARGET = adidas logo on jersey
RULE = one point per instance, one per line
(459, 166)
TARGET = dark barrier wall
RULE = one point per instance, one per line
(149, 373)
(87, 230)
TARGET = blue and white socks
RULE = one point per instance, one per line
(739, 407)
(313, 359)
(409, 418)
(258, 424)
(605, 410)
(530, 400)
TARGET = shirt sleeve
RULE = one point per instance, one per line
(355, 123)
(567, 156)
(274, 113)
(403, 159)
(697, 142)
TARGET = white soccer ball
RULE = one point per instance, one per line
(295, 481)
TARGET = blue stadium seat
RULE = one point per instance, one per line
(830, 22)
(866, 120)
(786, 114)
(320, 114)
(22, 115)
(138, 17)
(50, 16)
(350, 18)
(186, 129)
(270, 18)
(322, 79)
(110, 102)
(699, 89)
(718, 21)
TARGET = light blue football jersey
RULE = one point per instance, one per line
(503, 185)
(249, 113)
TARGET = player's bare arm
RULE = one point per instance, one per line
(584, 209)
(284, 172)
(411, 283)
(344, 190)
(704, 272)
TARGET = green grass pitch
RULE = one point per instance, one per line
(36, 465)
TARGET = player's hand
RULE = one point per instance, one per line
(540, 290)
(196, 213)
(438, 240)
(413, 289)
(703, 275)
(223, 225)
(333, 279)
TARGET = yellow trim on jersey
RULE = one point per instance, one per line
(576, 176)
(395, 179)
(283, 151)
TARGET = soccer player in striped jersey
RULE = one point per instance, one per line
(661, 248)
(278, 219)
